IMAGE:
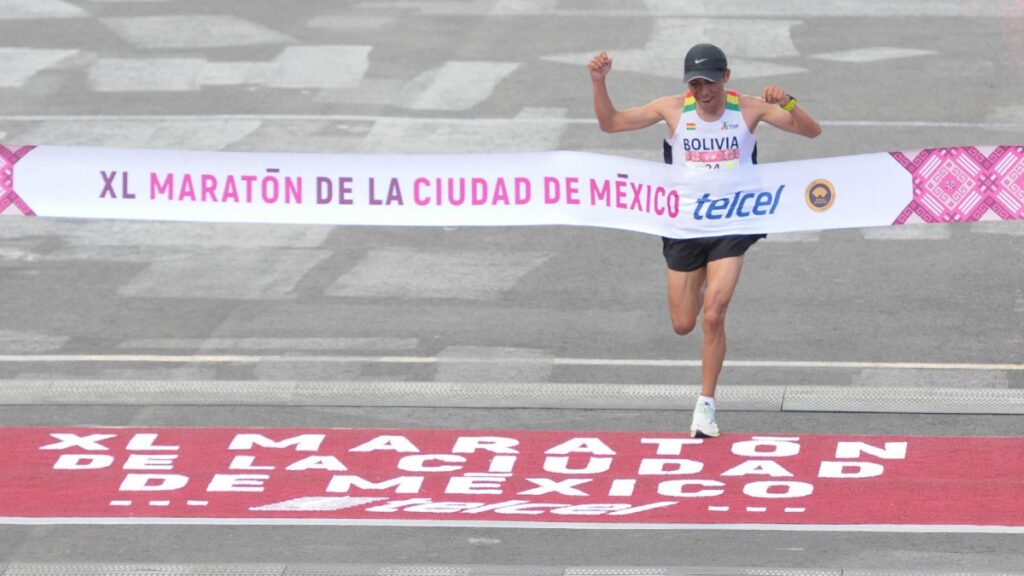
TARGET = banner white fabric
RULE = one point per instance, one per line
(547, 188)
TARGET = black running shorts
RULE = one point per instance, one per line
(694, 253)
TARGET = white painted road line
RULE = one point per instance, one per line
(620, 362)
(882, 528)
(478, 122)
(506, 395)
(791, 364)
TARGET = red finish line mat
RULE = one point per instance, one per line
(510, 478)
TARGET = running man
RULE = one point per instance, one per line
(703, 272)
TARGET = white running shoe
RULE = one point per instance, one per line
(704, 425)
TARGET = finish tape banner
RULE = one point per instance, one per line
(510, 478)
(965, 184)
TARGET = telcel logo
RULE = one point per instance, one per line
(740, 205)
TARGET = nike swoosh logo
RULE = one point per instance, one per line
(699, 61)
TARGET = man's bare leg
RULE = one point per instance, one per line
(710, 288)
(722, 277)
(685, 298)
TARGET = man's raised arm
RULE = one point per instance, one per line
(610, 119)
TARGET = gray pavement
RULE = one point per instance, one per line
(916, 311)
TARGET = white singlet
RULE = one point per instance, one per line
(722, 143)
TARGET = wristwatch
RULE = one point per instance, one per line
(790, 105)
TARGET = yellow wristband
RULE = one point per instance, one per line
(790, 105)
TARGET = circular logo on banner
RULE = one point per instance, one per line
(820, 195)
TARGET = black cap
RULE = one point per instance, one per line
(705, 61)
